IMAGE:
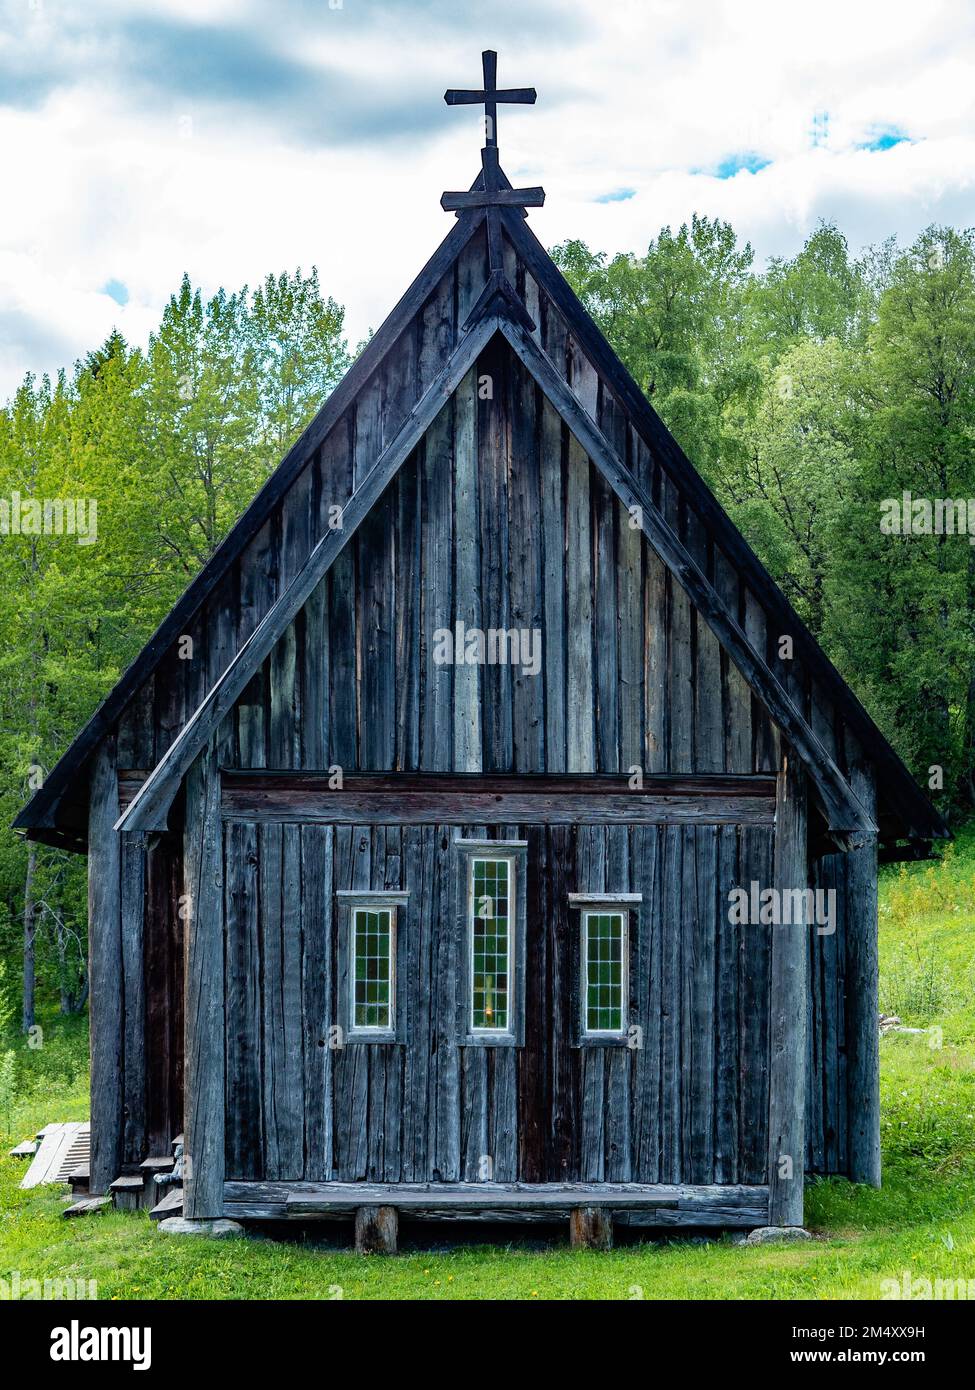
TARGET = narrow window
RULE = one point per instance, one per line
(373, 976)
(492, 897)
(604, 982)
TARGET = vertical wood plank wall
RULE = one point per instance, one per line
(689, 1102)
(500, 520)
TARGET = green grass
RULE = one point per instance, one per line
(867, 1237)
(922, 1220)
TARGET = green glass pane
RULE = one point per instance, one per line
(491, 945)
(372, 987)
(603, 972)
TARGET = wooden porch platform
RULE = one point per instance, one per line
(635, 1204)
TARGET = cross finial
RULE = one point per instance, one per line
(495, 190)
(490, 96)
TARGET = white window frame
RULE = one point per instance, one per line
(624, 916)
(354, 903)
(514, 852)
(621, 905)
(477, 1030)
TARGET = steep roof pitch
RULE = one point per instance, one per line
(501, 308)
(845, 816)
(40, 816)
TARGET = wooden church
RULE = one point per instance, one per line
(457, 845)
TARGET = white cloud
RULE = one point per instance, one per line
(144, 140)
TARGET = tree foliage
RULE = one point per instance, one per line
(169, 444)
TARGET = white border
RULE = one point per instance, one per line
(604, 911)
(509, 859)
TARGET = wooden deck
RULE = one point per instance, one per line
(638, 1204)
(62, 1149)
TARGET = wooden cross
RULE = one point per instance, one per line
(490, 96)
(496, 191)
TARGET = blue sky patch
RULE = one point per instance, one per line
(618, 195)
(117, 291)
(884, 138)
(733, 164)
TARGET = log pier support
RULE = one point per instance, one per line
(591, 1228)
(376, 1230)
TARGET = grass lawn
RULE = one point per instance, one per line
(921, 1222)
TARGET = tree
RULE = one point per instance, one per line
(818, 295)
(911, 629)
(165, 448)
(676, 318)
(792, 490)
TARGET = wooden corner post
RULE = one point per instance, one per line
(203, 1162)
(862, 997)
(788, 990)
(105, 965)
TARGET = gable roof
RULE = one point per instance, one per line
(923, 820)
(39, 816)
(499, 310)
(846, 817)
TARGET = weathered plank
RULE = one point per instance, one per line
(106, 967)
(205, 1014)
(863, 1074)
(787, 1034)
(244, 1108)
(580, 728)
(384, 808)
(133, 908)
(467, 723)
(317, 936)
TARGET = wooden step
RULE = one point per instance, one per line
(171, 1205)
(88, 1206)
(131, 1192)
(161, 1163)
(159, 1166)
(79, 1181)
(25, 1150)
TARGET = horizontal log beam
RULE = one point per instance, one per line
(302, 806)
(656, 1203)
(753, 784)
(494, 198)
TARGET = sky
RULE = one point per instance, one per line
(234, 138)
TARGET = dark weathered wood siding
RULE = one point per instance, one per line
(689, 1103)
(499, 520)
